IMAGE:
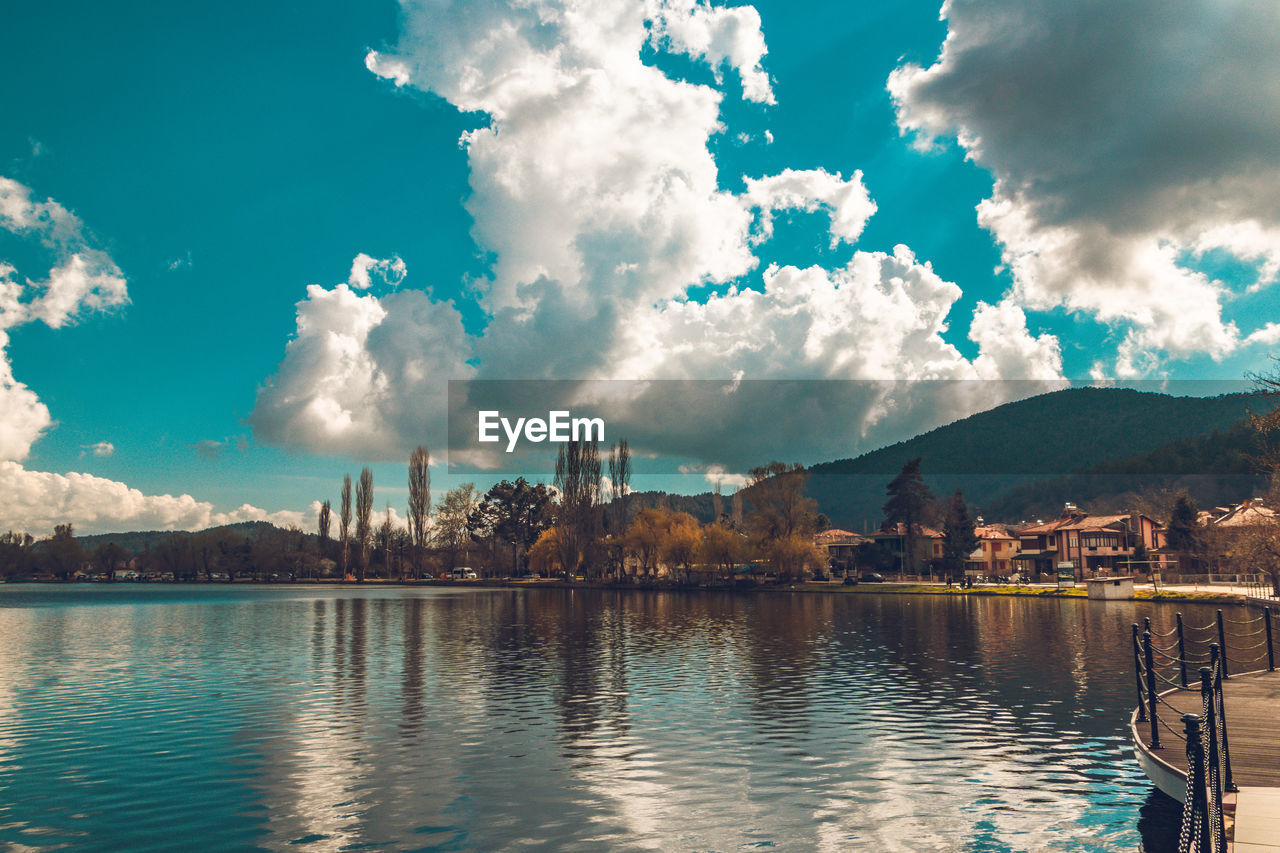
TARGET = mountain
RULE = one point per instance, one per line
(136, 542)
(1215, 470)
(1003, 459)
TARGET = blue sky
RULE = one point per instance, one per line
(1043, 208)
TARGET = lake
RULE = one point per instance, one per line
(167, 717)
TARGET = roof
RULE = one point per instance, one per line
(1042, 527)
(833, 535)
(1097, 522)
(992, 531)
(1248, 514)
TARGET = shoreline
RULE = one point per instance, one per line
(888, 587)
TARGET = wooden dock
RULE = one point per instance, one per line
(1252, 710)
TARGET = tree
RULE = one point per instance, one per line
(385, 533)
(174, 554)
(454, 520)
(680, 541)
(721, 547)
(958, 536)
(62, 552)
(344, 523)
(107, 556)
(15, 554)
(578, 521)
(513, 515)
(908, 504)
(419, 503)
(619, 493)
(872, 556)
(782, 519)
(645, 535)
(364, 515)
(544, 554)
(325, 521)
(1183, 533)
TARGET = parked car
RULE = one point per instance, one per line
(872, 577)
(530, 576)
(850, 580)
(463, 573)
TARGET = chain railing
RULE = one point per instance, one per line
(1205, 735)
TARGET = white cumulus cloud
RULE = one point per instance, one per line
(1127, 140)
(364, 375)
(37, 500)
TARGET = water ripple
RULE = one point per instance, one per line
(334, 719)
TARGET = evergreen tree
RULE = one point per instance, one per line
(1183, 533)
(958, 536)
(908, 505)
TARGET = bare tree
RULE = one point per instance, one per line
(385, 531)
(619, 491)
(344, 522)
(578, 522)
(326, 520)
(455, 517)
(419, 503)
(364, 514)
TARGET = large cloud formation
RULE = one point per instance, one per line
(595, 191)
(1128, 140)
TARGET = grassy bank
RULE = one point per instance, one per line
(1020, 591)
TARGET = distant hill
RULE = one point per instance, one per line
(137, 542)
(1215, 469)
(1001, 457)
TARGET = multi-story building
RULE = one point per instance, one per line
(1091, 544)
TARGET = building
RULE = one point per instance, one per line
(894, 540)
(1092, 544)
(841, 546)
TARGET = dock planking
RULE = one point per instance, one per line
(1252, 703)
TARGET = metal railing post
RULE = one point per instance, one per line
(1222, 643)
(1220, 712)
(1182, 653)
(1271, 649)
(1213, 759)
(1149, 659)
(1137, 674)
(1196, 825)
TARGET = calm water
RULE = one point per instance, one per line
(169, 717)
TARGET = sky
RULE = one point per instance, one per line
(244, 248)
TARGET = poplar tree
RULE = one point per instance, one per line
(326, 519)
(419, 503)
(578, 521)
(344, 522)
(619, 491)
(385, 532)
(364, 514)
